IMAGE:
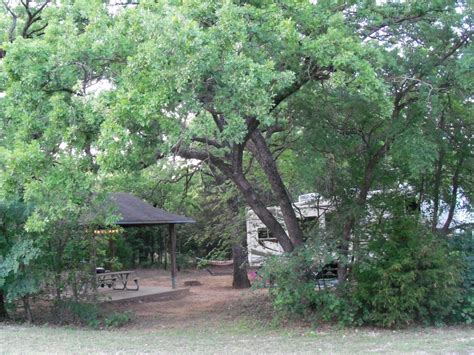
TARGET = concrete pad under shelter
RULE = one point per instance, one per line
(145, 293)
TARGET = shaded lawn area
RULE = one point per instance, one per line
(240, 338)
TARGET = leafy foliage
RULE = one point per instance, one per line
(90, 315)
(409, 277)
(117, 320)
(462, 245)
(18, 273)
(258, 101)
(296, 290)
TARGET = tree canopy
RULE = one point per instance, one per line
(261, 100)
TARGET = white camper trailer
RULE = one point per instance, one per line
(261, 243)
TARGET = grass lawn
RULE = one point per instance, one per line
(232, 338)
(214, 318)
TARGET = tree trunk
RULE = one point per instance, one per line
(3, 308)
(75, 290)
(27, 308)
(342, 265)
(452, 205)
(57, 286)
(436, 189)
(240, 279)
(239, 255)
(259, 148)
(361, 200)
(438, 175)
(262, 211)
(234, 172)
(94, 267)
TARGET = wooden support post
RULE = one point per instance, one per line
(172, 235)
(113, 251)
(94, 266)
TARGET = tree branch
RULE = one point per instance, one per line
(204, 156)
(38, 30)
(463, 40)
(187, 175)
(11, 31)
(315, 73)
(273, 129)
(33, 17)
(370, 31)
(207, 141)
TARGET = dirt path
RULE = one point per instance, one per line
(212, 302)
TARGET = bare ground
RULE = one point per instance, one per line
(212, 302)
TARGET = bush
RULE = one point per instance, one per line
(294, 292)
(117, 320)
(183, 261)
(464, 311)
(291, 293)
(410, 277)
(462, 244)
(89, 315)
(72, 312)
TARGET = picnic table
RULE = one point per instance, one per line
(111, 279)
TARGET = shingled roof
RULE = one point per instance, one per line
(136, 212)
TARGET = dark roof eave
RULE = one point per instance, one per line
(133, 211)
(152, 223)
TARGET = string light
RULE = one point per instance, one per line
(107, 231)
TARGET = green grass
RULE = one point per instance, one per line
(240, 339)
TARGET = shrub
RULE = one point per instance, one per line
(72, 312)
(294, 292)
(183, 261)
(462, 245)
(464, 311)
(89, 315)
(117, 320)
(409, 277)
(290, 290)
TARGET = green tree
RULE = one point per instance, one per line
(365, 87)
(48, 127)
(207, 81)
(362, 143)
(17, 254)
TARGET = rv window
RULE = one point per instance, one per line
(265, 234)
